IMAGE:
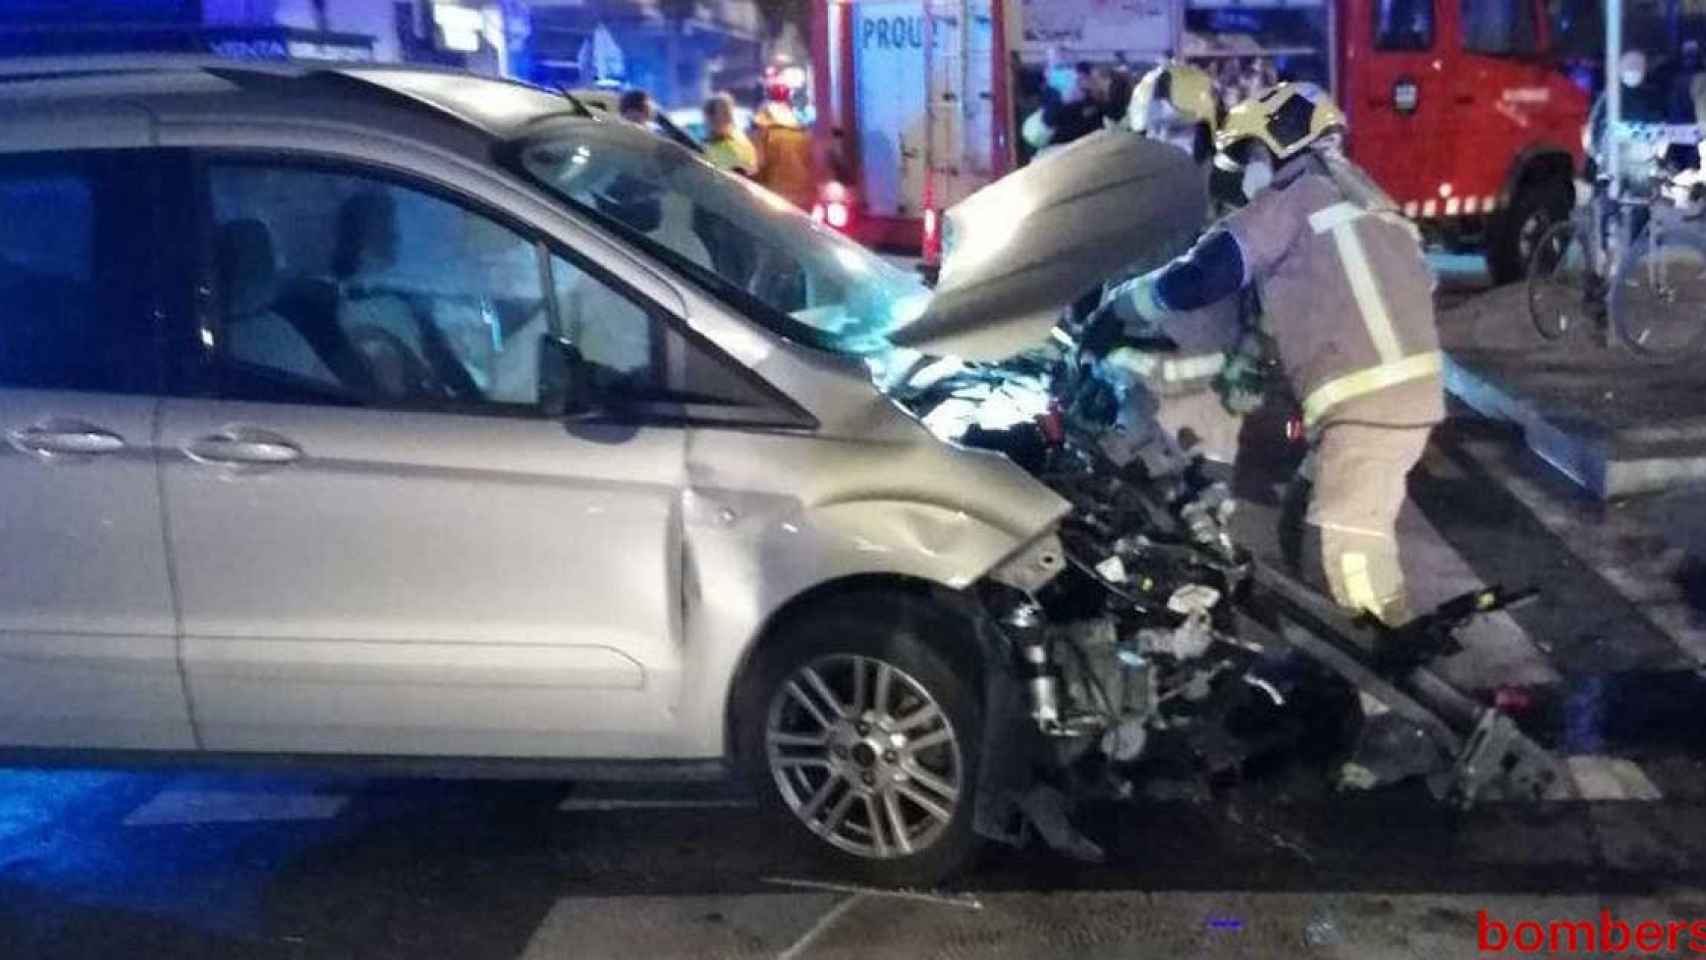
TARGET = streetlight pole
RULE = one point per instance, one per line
(1613, 124)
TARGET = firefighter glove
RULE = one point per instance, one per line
(1242, 383)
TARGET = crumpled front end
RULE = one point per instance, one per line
(1151, 647)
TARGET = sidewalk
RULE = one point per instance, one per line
(1612, 422)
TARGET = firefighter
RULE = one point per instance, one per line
(1176, 104)
(1348, 302)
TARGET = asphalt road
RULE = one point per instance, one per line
(104, 863)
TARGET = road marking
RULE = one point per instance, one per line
(1611, 778)
(962, 900)
(181, 807)
(1661, 599)
(601, 804)
(830, 916)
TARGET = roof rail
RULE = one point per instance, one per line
(15, 68)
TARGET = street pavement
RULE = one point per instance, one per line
(163, 863)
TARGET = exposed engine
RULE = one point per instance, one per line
(1160, 640)
(1137, 640)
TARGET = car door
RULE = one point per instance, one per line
(88, 649)
(382, 545)
(1398, 96)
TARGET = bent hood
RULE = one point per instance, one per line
(1018, 251)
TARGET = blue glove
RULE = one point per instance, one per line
(1129, 312)
(1106, 326)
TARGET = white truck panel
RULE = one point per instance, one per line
(889, 38)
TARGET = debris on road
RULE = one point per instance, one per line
(964, 901)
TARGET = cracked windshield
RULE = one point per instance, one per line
(843, 479)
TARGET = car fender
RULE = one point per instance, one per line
(919, 514)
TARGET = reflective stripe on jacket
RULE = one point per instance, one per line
(1348, 300)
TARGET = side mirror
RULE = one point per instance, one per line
(565, 383)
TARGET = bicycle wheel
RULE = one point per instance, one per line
(1562, 292)
(1658, 298)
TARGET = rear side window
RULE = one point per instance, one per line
(1403, 25)
(1500, 27)
(73, 253)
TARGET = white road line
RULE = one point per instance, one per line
(182, 807)
(600, 804)
(1646, 578)
(1611, 778)
(962, 900)
(830, 916)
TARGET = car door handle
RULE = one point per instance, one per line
(243, 446)
(1464, 98)
(66, 438)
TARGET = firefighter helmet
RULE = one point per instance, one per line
(1179, 89)
(1287, 119)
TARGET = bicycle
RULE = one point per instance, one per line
(1653, 296)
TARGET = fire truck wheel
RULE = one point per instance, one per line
(1538, 203)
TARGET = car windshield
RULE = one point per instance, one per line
(745, 244)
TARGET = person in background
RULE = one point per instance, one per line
(1112, 89)
(1028, 88)
(1688, 86)
(726, 147)
(784, 148)
(1080, 114)
(636, 107)
(1644, 101)
(1035, 133)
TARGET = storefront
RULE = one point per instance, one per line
(235, 43)
(485, 36)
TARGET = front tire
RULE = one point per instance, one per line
(1538, 204)
(860, 740)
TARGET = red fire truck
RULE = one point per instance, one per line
(1457, 107)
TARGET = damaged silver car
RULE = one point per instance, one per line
(485, 433)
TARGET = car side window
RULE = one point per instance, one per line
(1500, 27)
(1403, 25)
(635, 357)
(348, 288)
(73, 270)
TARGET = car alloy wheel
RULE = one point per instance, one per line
(864, 756)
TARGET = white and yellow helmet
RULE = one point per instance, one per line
(1287, 119)
(1170, 96)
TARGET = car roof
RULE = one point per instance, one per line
(411, 100)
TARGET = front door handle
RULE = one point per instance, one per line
(66, 437)
(244, 447)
